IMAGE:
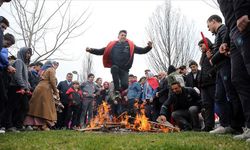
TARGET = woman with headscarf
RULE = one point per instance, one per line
(42, 113)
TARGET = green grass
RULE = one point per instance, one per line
(128, 141)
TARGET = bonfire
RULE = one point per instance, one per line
(103, 121)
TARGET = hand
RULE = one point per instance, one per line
(85, 93)
(115, 102)
(28, 92)
(88, 49)
(136, 100)
(11, 69)
(150, 44)
(151, 100)
(126, 98)
(157, 94)
(209, 54)
(94, 95)
(161, 119)
(21, 91)
(223, 48)
(242, 23)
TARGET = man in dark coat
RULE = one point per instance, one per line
(186, 107)
(119, 55)
(226, 97)
(63, 86)
(192, 77)
(237, 39)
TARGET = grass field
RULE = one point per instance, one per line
(128, 141)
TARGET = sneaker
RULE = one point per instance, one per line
(117, 95)
(222, 130)
(29, 128)
(245, 135)
(2, 130)
(13, 129)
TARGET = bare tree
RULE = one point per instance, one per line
(46, 30)
(87, 66)
(212, 3)
(173, 38)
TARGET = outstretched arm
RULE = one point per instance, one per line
(95, 51)
(140, 50)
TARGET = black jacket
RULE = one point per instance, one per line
(120, 54)
(163, 90)
(189, 97)
(63, 87)
(207, 75)
(218, 59)
(191, 81)
(233, 10)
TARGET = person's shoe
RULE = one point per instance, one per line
(13, 129)
(248, 140)
(2, 130)
(29, 128)
(219, 130)
(245, 135)
(207, 129)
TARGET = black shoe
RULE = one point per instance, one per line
(207, 129)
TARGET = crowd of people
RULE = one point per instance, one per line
(33, 99)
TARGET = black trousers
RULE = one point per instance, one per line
(3, 94)
(240, 60)
(17, 108)
(73, 115)
(207, 96)
(120, 78)
(227, 99)
(187, 119)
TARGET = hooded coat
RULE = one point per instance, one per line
(20, 78)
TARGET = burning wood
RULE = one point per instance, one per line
(103, 121)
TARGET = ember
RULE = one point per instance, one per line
(103, 121)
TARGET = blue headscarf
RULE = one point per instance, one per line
(47, 65)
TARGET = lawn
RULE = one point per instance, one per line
(128, 141)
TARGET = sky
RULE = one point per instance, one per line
(109, 17)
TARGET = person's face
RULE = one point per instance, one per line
(211, 26)
(99, 81)
(122, 37)
(130, 79)
(28, 55)
(76, 86)
(106, 86)
(203, 47)
(183, 71)
(7, 43)
(176, 89)
(3, 26)
(194, 68)
(91, 78)
(37, 68)
(69, 78)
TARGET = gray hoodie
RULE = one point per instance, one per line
(20, 78)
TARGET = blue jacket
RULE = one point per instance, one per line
(4, 62)
(148, 92)
(134, 91)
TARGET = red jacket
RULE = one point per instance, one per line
(70, 91)
(107, 62)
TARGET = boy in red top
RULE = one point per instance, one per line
(74, 106)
